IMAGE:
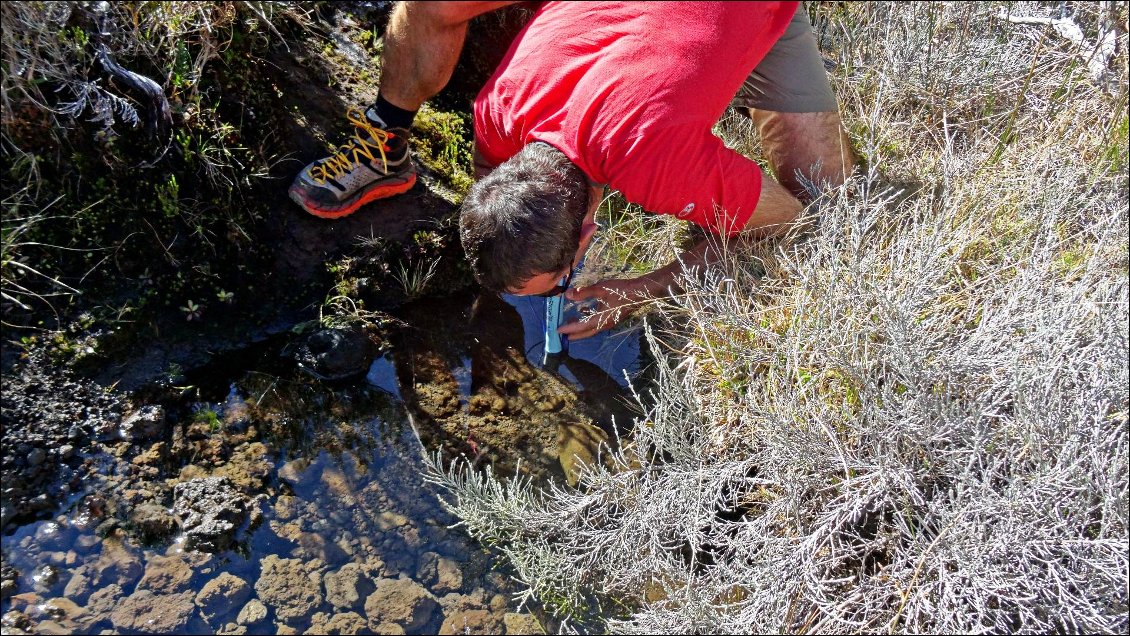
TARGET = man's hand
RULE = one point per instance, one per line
(612, 301)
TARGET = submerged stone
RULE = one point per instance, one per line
(401, 601)
(211, 511)
(334, 354)
(144, 611)
(289, 586)
(221, 595)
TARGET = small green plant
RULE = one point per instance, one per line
(168, 197)
(415, 276)
(192, 311)
(341, 311)
(208, 417)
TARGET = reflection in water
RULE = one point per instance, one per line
(473, 383)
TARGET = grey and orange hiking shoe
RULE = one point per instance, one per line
(372, 165)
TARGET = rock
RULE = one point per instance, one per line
(117, 564)
(389, 520)
(144, 611)
(36, 457)
(211, 511)
(348, 587)
(145, 423)
(516, 623)
(286, 506)
(449, 578)
(52, 628)
(477, 621)
(152, 522)
(249, 467)
(291, 587)
(62, 608)
(166, 574)
(79, 585)
(344, 623)
(7, 588)
(426, 568)
(441, 574)
(401, 601)
(232, 629)
(333, 354)
(25, 600)
(312, 545)
(295, 472)
(253, 613)
(153, 456)
(71, 616)
(221, 595)
(577, 446)
(15, 619)
(104, 600)
(45, 577)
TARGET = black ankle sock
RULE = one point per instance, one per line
(393, 116)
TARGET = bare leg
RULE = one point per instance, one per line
(422, 45)
(814, 144)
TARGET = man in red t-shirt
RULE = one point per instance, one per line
(612, 94)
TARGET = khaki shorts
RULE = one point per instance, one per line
(791, 78)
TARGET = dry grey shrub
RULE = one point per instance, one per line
(911, 417)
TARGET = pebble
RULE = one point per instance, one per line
(253, 613)
(36, 457)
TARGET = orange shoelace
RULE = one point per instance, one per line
(359, 146)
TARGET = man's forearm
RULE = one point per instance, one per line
(776, 212)
(665, 280)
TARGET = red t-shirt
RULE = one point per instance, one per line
(629, 91)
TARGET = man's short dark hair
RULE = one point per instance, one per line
(524, 218)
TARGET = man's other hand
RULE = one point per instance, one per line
(609, 302)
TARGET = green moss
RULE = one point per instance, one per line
(208, 418)
(441, 141)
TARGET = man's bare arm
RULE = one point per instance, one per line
(776, 212)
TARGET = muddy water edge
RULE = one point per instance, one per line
(249, 496)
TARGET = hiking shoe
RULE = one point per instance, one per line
(372, 165)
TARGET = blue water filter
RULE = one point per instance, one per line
(553, 344)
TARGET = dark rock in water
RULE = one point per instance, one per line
(211, 510)
(36, 457)
(147, 422)
(151, 522)
(334, 354)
